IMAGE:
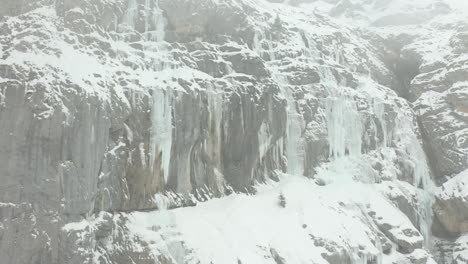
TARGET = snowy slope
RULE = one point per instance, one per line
(337, 223)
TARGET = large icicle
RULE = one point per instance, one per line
(344, 126)
(422, 175)
(155, 22)
(161, 201)
(294, 142)
(130, 14)
(161, 130)
(161, 111)
(213, 143)
(258, 47)
(379, 111)
(295, 152)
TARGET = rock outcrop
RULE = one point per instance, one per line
(451, 205)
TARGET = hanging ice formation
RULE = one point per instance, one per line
(344, 126)
(130, 14)
(424, 185)
(379, 111)
(264, 47)
(160, 142)
(421, 177)
(295, 142)
(259, 39)
(155, 22)
(161, 131)
(161, 201)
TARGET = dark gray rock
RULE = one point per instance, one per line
(451, 205)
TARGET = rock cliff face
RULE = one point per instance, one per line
(144, 131)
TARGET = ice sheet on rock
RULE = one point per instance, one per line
(131, 14)
(161, 130)
(380, 99)
(154, 20)
(295, 141)
(264, 139)
(165, 85)
(408, 140)
(344, 125)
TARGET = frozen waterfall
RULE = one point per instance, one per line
(344, 126)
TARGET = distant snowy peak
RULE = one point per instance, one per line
(382, 13)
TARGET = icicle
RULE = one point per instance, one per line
(378, 245)
(295, 151)
(161, 201)
(357, 258)
(160, 25)
(147, 16)
(327, 77)
(294, 141)
(257, 46)
(271, 51)
(155, 22)
(424, 185)
(259, 38)
(344, 126)
(379, 111)
(295, 148)
(264, 139)
(215, 102)
(364, 258)
(131, 14)
(309, 48)
(161, 111)
(228, 68)
(422, 176)
(161, 130)
(116, 22)
(337, 57)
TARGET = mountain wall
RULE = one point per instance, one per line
(122, 123)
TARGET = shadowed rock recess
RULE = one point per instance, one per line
(233, 131)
